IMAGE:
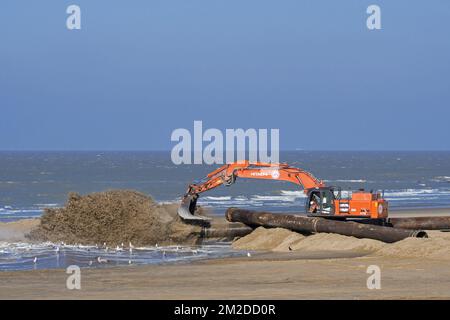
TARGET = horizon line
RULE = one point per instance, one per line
(168, 150)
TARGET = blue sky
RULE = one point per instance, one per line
(137, 70)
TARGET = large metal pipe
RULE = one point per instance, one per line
(225, 233)
(314, 225)
(424, 223)
(220, 229)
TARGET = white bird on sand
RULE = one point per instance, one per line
(101, 260)
(35, 260)
(118, 248)
(129, 261)
(90, 262)
(156, 245)
(195, 251)
(57, 250)
(248, 254)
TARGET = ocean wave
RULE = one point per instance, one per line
(8, 213)
(19, 211)
(441, 179)
(218, 198)
(273, 198)
(348, 181)
(297, 194)
(47, 205)
(415, 192)
(284, 198)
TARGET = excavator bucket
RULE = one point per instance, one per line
(186, 210)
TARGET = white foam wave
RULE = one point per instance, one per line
(415, 192)
(441, 179)
(46, 205)
(273, 198)
(218, 198)
(6, 211)
(297, 194)
(348, 181)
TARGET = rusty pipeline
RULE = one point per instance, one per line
(424, 223)
(317, 225)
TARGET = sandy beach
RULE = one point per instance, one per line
(319, 273)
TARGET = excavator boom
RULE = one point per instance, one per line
(227, 174)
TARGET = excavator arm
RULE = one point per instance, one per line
(227, 174)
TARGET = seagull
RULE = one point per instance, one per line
(130, 245)
(35, 260)
(57, 250)
(194, 251)
(164, 254)
(129, 261)
(156, 245)
(101, 260)
(131, 250)
(248, 254)
(118, 248)
(177, 248)
(90, 262)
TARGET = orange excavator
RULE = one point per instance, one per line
(321, 201)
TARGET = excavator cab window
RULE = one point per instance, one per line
(320, 202)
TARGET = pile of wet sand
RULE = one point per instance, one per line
(114, 217)
(437, 246)
(276, 239)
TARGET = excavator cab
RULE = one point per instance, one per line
(320, 201)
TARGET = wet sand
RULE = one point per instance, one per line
(267, 275)
(403, 213)
(271, 276)
(16, 231)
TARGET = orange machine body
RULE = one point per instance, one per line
(362, 204)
